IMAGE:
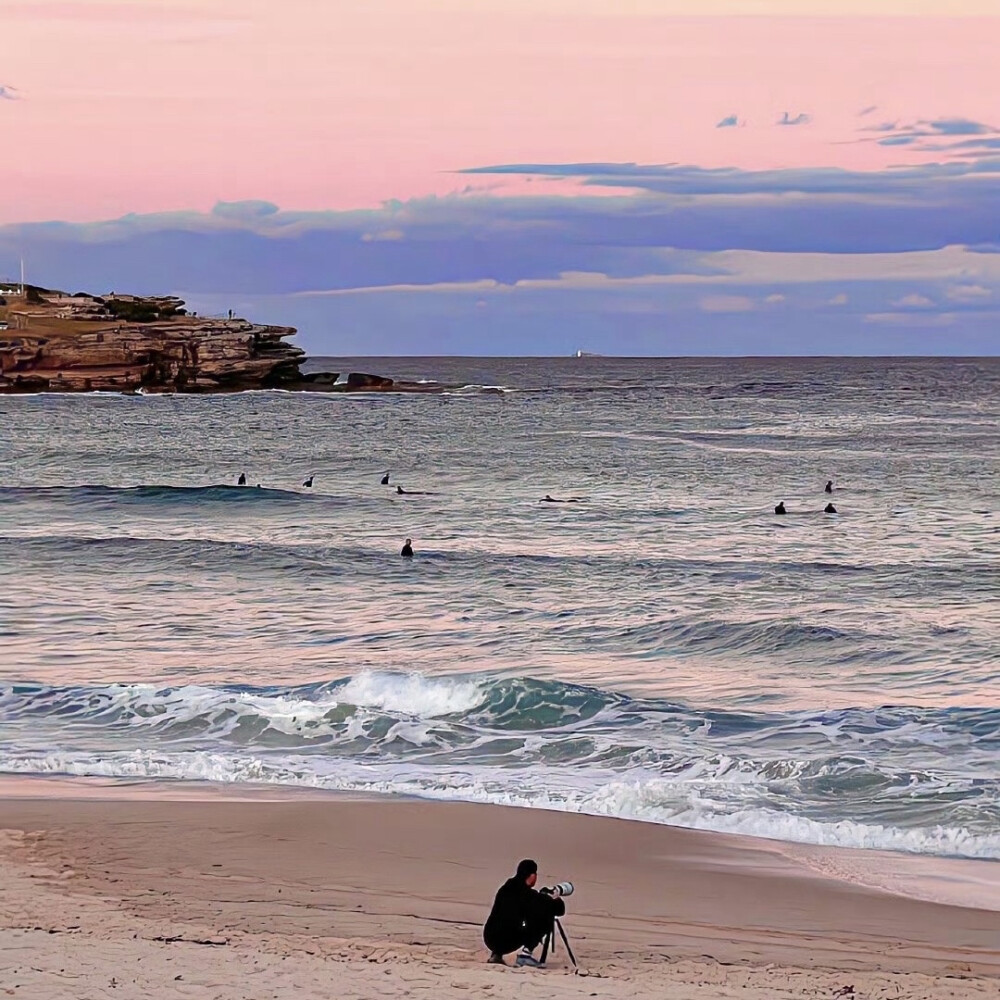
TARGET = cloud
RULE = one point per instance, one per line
(913, 301)
(777, 249)
(984, 145)
(910, 319)
(383, 236)
(726, 303)
(244, 209)
(800, 119)
(937, 135)
(689, 180)
(864, 112)
(663, 242)
(968, 293)
(730, 121)
(8, 93)
(958, 126)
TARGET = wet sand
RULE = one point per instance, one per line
(150, 892)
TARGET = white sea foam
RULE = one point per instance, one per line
(220, 710)
(412, 694)
(651, 799)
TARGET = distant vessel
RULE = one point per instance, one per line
(586, 354)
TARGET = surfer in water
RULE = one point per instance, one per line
(829, 509)
(407, 550)
(780, 509)
(551, 499)
(308, 483)
(242, 481)
(385, 479)
(829, 486)
(411, 493)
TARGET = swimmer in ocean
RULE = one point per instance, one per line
(242, 481)
(385, 479)
(407, 550)
(309, 481)
(550, 499)
(780, 509)
(829, 509)
(829, 486)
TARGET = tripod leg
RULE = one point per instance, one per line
(569, 950)
(546, 941)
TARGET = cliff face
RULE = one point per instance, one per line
(82, 343)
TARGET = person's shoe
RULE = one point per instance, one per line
(495, 959)
(525, 958)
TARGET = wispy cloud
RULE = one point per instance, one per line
(957, 126)
(730, 121)
(906, 319)
(939, 135)
(840, 299)
(8, 93)
(864, 112)
(969, 293)
(913, 301)
(800, 119)
(726, 303)
(244, 210)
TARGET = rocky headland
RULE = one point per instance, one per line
(51, 341)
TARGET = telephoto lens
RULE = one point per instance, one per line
(565, 888)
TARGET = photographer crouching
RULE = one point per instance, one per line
(523, 916)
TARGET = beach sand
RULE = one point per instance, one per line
(128, 893)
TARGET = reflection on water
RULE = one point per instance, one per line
(128, 555)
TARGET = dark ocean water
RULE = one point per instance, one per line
(666, 648)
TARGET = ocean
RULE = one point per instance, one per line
(664, 649)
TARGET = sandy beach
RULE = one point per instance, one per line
(163, 895)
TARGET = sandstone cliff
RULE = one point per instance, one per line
(52, 342)
(81, 343)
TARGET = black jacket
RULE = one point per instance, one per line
(521, 916)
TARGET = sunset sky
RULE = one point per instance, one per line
(435, 176)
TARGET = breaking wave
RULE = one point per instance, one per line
(895, 778)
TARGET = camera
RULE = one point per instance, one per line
(560, 889)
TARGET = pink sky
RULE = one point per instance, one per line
(137, 107)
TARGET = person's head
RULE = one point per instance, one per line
(409, 541)
(527, 872)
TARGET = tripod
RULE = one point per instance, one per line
(549, 942)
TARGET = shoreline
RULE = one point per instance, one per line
(657, 908)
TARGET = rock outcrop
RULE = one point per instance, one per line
(80, 343)
(54, 342)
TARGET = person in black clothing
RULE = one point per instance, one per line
(407, 551)
(521, 915)
(780, 509)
